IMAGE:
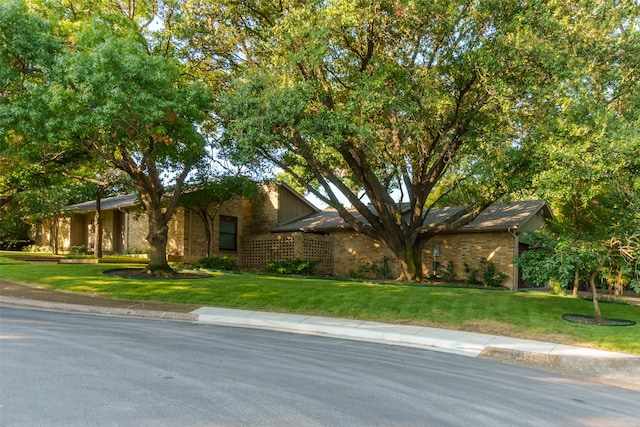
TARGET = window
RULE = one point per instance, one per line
(228, 233)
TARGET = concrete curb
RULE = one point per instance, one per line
(338, 328)
(621, 372)
(104, 311)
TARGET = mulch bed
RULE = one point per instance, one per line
(591, 320)
(141, 273)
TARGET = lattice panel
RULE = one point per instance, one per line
(259, 250)
(319, 247)
(256, 252)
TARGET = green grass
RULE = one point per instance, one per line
(13, 257)
(519, 314)
(20, 254)
(9, 261)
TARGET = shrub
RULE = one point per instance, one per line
(122, 259)
(355, 274)
(78, 250)
(37, 249)
(136, 251)
(490, 275)
(557, 287)
(487, 274)
(304, 267)
(372, 270)
(449, 274)
(216, 263)
(14, 245)
(472, 275)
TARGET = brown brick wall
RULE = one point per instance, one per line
(176, 235)
(136, 229)
(194, 240)
(462, 248)
(352, 250)
(40, 233)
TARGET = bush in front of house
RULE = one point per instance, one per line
(487, 274)
(14, 244)
(37, 249)
(122, 259)
(304, 267)
(79, 250)
(224, 263)
(372, 270)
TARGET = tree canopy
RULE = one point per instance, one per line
(106, 95)
(432, 101)
(391, 106)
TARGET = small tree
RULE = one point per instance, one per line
(206, 199)
(105, 95)
(564, 259)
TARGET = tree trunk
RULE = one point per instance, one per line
(576, 283)
(157, 238)
(594, 291)
(411, 263)
(97, 220)
(53, 234)
(209, 226)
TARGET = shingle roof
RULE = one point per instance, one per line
(497, 217)
(117, 202)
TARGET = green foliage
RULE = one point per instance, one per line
(557, 287)
(560, 257)
(486, 274)
(37, 249)
(444, 101)
(121, 259)
(78, 250)
(304, 267)
(136, 251)
(14, 245)
(448, 274)
(372, 270)
(107, 99)
(13, 228)
(223, 263)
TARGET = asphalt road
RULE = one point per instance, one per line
(60, 369)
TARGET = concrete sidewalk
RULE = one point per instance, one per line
(622, 370)
(450, 341)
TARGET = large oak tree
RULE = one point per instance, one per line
(397, 106)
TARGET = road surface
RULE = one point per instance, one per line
(61, 369)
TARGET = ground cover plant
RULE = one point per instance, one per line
(501, 312)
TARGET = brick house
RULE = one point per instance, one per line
(495, 235)
(288, 226)
(125, 226)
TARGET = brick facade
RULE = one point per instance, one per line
(188, 240)
(469, 248)
(353, 250)
(270, 231)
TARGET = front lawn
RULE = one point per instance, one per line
(518, 314)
